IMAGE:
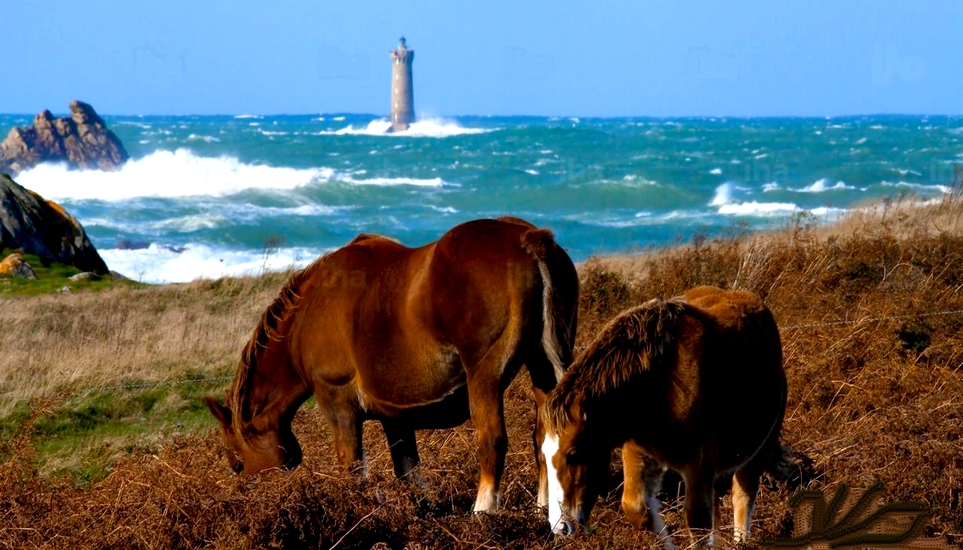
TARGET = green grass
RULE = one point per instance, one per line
(51, 279)
(84, 432)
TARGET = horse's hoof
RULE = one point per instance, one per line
(564, 527)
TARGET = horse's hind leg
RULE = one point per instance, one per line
(403, 447)
(745, 484)
(488, 415)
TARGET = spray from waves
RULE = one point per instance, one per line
(822, 185)
(181, 173)
(164, 174)
(723, 195)
(158, 264)
(431, 128)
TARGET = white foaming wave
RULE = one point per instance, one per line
(206, 139)
(716, 171)
(215, 216)
(822, 185)
(247, 116)
(828, 213)
(905, 171)
(632, 180)
(433, 128)
(754, 208)
(158, 265)
(431, 182)
(443, 209)
(921, 186)
(165, 174)
(638, 219)
(142, 125)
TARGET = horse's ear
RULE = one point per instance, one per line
(220, 412)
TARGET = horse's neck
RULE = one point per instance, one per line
(608, 417)
(274, 389)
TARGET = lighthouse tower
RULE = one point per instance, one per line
(402, 92)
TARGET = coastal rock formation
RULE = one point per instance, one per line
(14, 266)
(35, 226)
(82, 141)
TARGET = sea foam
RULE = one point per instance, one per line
(164, 174)
(431, 128)
(181, 173)
(157, 264)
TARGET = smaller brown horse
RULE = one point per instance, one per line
(695, 384)
(412, 337)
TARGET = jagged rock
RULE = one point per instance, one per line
(35, 226)
(83, 141)
(14, 266)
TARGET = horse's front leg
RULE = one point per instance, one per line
(538, 437)
(640, 493)
(488, 415)
(403, 448)
(701, 505)
(346, 427)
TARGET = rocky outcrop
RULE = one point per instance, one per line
(14, 266)
(36, 226)
(82, 141)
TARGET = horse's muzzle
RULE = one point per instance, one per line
(569, 524)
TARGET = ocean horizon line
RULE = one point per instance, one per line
(702, 117)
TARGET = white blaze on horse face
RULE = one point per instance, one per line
(555, 494)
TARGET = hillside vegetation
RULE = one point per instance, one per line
(104, 441)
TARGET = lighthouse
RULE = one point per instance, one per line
(402, 92)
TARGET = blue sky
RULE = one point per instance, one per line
(601, 58)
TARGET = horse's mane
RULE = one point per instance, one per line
(631, 343)
(272, 326)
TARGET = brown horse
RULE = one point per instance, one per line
(413, 337)
(695, 384)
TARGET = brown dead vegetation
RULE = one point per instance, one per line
(870, 311)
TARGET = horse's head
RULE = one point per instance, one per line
(252, 448)
(577, 470)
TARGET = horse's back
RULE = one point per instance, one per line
(733, 339)
(484, 282)
(406, 325)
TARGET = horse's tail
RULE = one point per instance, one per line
(792, 467)
(559, 297)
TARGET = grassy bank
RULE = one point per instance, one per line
(105, 444)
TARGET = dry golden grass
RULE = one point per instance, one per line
(870, 310)
(125, 335)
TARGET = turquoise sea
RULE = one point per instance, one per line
(207, 196)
